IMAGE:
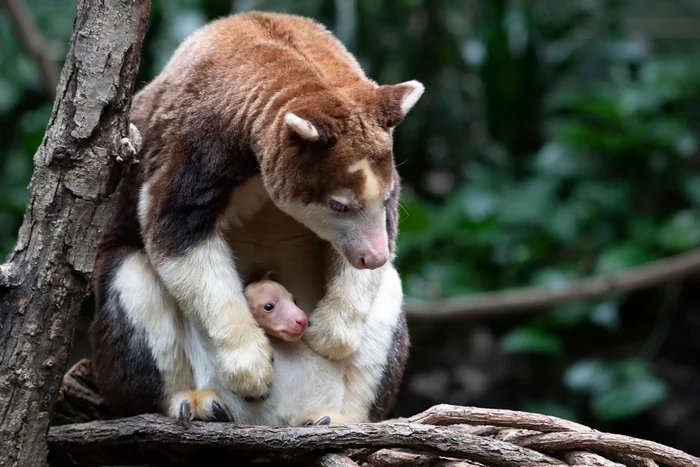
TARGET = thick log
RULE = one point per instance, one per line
(47, 274)
(145, 438)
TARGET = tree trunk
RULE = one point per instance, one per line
(47, 275)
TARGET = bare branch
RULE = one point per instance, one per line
(34, 43)
(610, 443)
(105, 441)
(583, 458)
(394, 458)
(445, 414)
(532, 298)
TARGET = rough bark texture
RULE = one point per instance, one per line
(47, 275)
(146, 437)
(335, 460)
(443, 436)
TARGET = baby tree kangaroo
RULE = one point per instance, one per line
(306, 388)
(263, 110)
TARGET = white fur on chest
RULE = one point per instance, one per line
(304, 385)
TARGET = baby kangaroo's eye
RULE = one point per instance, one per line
(269, 307)
(337, 206)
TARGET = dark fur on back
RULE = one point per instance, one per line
(388, 389)
(125, 371)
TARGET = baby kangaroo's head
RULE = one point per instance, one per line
(275, 309)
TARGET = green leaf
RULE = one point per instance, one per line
(557, 159)
(632, 369)
(569, 314)
(413, 217)
(589, 376)
(691, 188)
(553, 278)
(682, 231)
(622, 256)
(606, 315)
(478, 203)
(531, 340)
(528, 203)
(629, 399)
(564, 223)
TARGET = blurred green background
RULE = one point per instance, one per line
(556, 140)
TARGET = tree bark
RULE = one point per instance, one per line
(47, 274)
(145, 439)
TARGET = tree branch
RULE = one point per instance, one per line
(394, 458)
(373, 445)
(34, 43)
(115, 442)
(445, 414)
(532, 298)
(370, 444)
(609, 443)
(47, 276)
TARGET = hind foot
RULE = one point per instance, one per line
(203, 405)
(328, 418)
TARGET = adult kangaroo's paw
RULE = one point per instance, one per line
(246, 368)
(202, 405)
(331, 335)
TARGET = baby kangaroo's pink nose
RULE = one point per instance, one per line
(302, 321)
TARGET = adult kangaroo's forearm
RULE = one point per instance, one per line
(204, 282)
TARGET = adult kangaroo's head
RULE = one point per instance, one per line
(333, 167)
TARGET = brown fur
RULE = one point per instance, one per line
(282, 64)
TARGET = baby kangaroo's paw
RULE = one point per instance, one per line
(202, 405)
(328, 418)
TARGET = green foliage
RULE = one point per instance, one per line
(531, 340)
(617, 389)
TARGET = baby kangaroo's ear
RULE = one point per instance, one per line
(268, 276)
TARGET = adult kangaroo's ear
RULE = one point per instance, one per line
(301, 127)
(312, 126)
(396, 100)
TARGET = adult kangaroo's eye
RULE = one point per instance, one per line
(337, 206)
(269, 307)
